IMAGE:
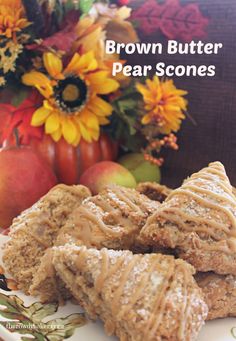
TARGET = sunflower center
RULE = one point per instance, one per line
(71, 94)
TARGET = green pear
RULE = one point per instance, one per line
(141, 169)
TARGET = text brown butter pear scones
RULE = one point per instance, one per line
(149, 297)
(36, 229)
(198, 220)
(111, 219)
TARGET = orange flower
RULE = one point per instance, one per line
(164, 104)
(12, 18)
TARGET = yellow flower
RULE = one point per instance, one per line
(12, 18)
(72, 107)
(164, 104)
(104, 22)
(90, 36)
(101, 23)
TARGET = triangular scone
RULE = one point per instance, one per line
(138, 297)
(36, 229)
(199, 221)
(110, 219)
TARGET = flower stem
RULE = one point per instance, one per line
(17, 139)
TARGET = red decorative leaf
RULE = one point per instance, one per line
(61, 40)
(20, 118)
(148, 16)
(174, 20)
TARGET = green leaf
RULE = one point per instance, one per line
(11, 303)
(127, 104)
(38, 311)
(15, 307)
(65, 326)
(10, 315)
(124, 109)
(85, 5)
(54, 330)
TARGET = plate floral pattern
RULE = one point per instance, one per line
(23, 318)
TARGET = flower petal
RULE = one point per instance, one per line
(94, 134)
(110, 85)
(142, 89)
(39, 81)
(88, 62)
(56, 135)
(84, 132)
(100, 107)
(72, 66)
(103, 120)
(53, 65)
(101, 84)
(69, 130)
(97, 77)
(90, 120)
(81, 64)
(52, 123)
(77, 139)
(146, 119)
(39, 117)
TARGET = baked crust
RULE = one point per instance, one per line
(154, 191)
(138, 297)
(220, 294)
(111, 219)
(199, 221)
(36, 229)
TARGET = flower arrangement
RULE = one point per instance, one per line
(55, 79)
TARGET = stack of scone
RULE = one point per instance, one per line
(100, 250)
(198, 222)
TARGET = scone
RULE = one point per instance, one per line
(219, 293)
(36, 229)
(198, 220)
(111, 219)
(138, 297)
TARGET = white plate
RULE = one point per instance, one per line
(67, 319)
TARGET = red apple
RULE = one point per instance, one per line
(24, 178)
(104, 173)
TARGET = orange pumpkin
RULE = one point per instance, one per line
(70, 162)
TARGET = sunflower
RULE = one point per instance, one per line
(73, 107)
(164, 104)
(12, 18)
